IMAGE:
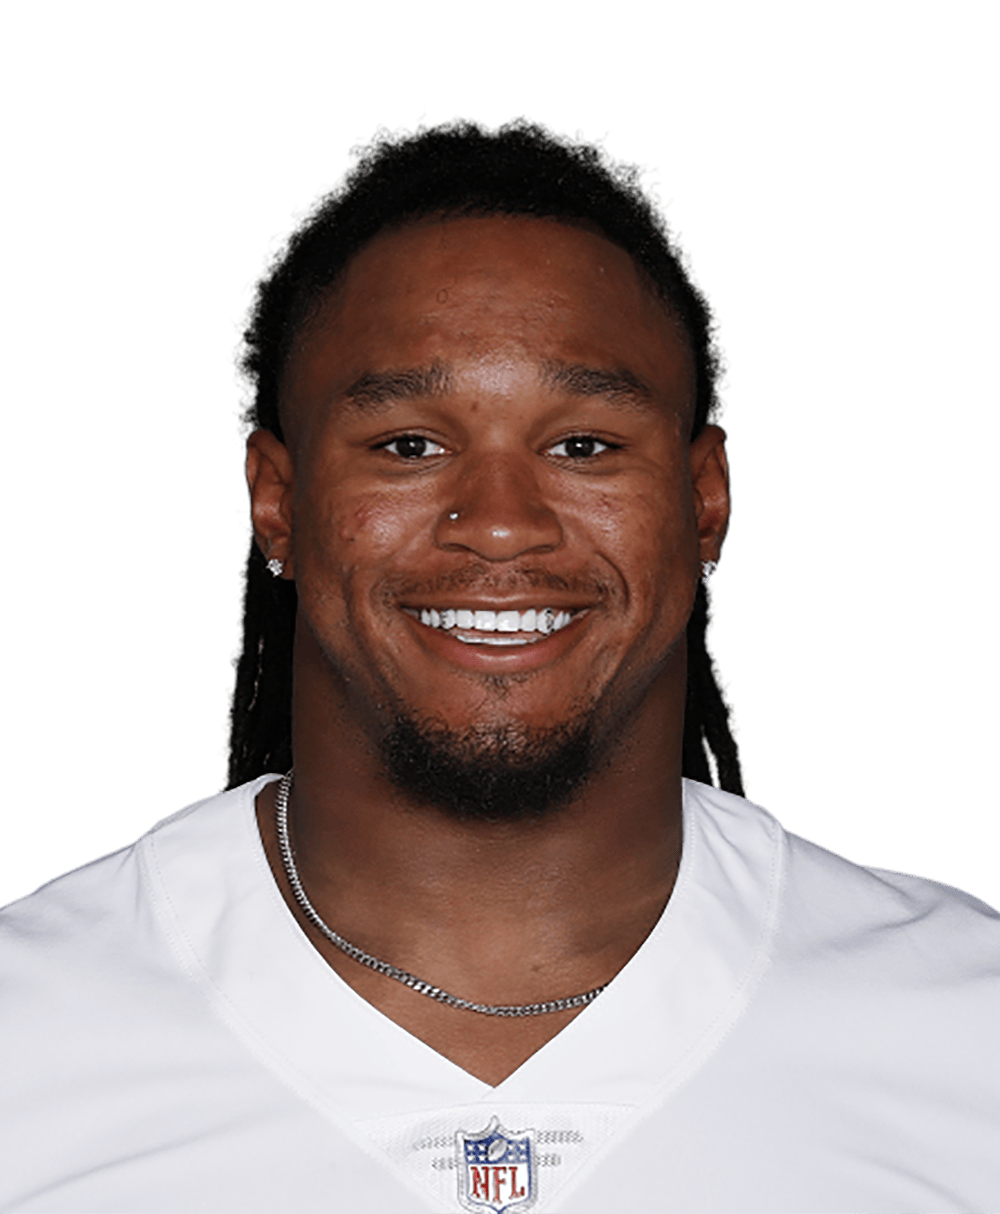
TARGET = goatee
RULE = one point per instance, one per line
(491, 774)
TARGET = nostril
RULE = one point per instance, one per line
(497, 521)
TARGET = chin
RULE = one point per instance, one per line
(499, 773)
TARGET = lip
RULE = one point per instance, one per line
(521, 603)
(501, 658)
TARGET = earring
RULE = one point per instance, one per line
(275, 566)
(453, 516)
(707, 569)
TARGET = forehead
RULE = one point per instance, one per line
(469, 291)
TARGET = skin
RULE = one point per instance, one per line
(494, 311)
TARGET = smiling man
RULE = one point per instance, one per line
(462, 935)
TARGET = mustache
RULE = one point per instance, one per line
(479, 576)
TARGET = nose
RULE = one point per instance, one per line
(497, 512)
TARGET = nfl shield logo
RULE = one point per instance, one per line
(496, 1169)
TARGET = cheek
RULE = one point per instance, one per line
(344, 532)
(369, 521)
(647, 535)
(642, 529)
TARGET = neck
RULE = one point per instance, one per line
(498, 913)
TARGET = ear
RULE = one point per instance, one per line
(710, 486)
(271, 479)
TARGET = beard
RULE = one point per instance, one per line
(502, 773)
(492, 773)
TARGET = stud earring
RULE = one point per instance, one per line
(453, 515)
(275, 566)
(707, 569)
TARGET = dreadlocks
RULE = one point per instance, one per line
(455, 170)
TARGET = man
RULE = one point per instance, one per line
(482, 947)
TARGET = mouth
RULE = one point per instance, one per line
(498, 629)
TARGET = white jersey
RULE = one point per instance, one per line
(796, 1034)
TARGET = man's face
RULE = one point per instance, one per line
(495, 529)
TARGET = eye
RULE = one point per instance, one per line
(413, 446)
(580, 446)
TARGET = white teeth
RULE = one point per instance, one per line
(543, 620)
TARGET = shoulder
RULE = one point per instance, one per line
(101, 912)
(91, 964)
(874, 972)
(831, 907)
(928, 927)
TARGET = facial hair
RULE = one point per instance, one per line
(502, 773)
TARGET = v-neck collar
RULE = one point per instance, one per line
(232, 932)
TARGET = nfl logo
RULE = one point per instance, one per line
(496, 1169)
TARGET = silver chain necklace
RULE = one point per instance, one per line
(383, 967)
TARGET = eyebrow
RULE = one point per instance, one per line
(376, 388)
(619, 385)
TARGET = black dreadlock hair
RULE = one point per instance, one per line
(454, 170)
